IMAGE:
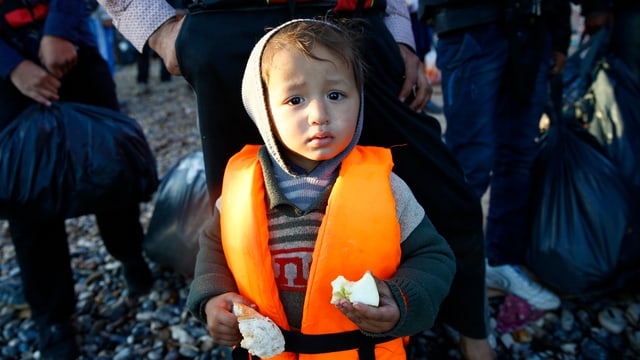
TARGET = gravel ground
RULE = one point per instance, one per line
(156, 326)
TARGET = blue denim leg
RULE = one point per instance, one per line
(517, 131)
(472, 65)
(493, 135)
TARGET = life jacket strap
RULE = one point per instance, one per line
(324, 343)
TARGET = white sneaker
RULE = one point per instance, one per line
(514, 280)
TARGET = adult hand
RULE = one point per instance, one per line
(372, 319)
(57, 55)
(221, 322)
(163, 42)
(35, 82)
(416, 85)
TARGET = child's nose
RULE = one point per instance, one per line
(318, 114)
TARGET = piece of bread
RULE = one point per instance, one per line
(260, 335)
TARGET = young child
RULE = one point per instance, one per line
(310, 205)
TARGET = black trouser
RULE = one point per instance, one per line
(144, 58)
(41, 245)
(43, 256)
(213, 47)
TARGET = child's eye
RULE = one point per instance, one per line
(295, 100)
(335, 95)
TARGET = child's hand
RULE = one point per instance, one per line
(221, 322)
(373, 319)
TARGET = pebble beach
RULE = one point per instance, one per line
(113, 325)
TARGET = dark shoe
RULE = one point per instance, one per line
(58, 342)
(138, 276)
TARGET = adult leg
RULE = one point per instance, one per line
(122, 236)
(475, 101)
(472, 65)
(142, 65)
(517, 127)
(424, 162)
(43, 256)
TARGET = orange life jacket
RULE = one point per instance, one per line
(359, 232)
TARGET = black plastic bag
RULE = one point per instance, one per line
(579, 68)
(609, 110)
(601, 93)
(181, 211)
(73, 159)
(582, 239)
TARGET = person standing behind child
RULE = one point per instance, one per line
(624, 18)
(397, 91)
(50, 57)
(293, 210)
(496, 58)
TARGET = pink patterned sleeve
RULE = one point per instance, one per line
(138, 19)
(398, 22)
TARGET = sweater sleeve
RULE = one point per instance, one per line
(212, 276)
(9, 59)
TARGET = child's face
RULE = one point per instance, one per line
(314, 105)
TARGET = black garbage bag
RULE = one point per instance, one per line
(181, 211)
(579, 67)
(583, 240)
(601, 93)
(610, 111)
(73, 159)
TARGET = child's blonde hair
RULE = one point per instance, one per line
(305, 34)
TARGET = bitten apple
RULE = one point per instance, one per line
(362, 291)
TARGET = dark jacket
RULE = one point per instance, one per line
(66, 19)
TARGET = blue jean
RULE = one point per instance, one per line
(490, 132)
